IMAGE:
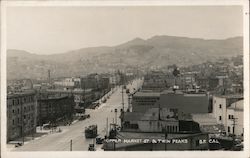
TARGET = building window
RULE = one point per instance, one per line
(228, 129)
(230, 117)
(220, 106)
(220, 118)
(13, 122)
(196, 142)
(18, 111)
(13, 111)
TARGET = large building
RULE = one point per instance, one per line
(153, 111)
(21, 114)
(154, 81)
(220, 105)
(185, 102)
(142, 101)
(235, 115)
(68, 83)
(54, 109)
(225, 105)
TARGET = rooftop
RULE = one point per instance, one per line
(228, 96)
(239, 105)
(69, 91)
(147, 94)
(20, 93)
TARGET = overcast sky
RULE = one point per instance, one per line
(50, 30)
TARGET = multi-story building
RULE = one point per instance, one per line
(53, 109)
(142, 101)
(21, 114)
(185, 102)
(235, 117)
(155, 81)
(220, 105)
(152, 111)
(69, 83)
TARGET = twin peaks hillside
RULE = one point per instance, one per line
(157, 51)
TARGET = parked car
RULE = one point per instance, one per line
(99, 140)
(91, 147)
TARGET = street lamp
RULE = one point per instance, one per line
(115, 117)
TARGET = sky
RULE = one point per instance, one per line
(52, 30)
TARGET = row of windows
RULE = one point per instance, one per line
(26, 109)
(21, 100)
(28, 117)
(229, 117)
(172, 129)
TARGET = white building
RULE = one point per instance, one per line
(68, 82)
(219, 109)
(222, 107)
(235, 118)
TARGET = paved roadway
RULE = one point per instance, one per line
(75, 132)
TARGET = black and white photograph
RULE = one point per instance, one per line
(96, 78)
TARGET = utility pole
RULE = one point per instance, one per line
(115, 117)
(129, 97)
(107, 126)
(122, 99)
(234, 123)
(71, 145)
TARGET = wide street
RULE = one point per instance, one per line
(75, 132)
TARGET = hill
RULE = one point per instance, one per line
(158, 51)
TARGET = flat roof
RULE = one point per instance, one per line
(147, 94)
(20, 93)
(230, 96)
(69, 91)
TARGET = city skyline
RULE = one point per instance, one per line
(77, 27)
